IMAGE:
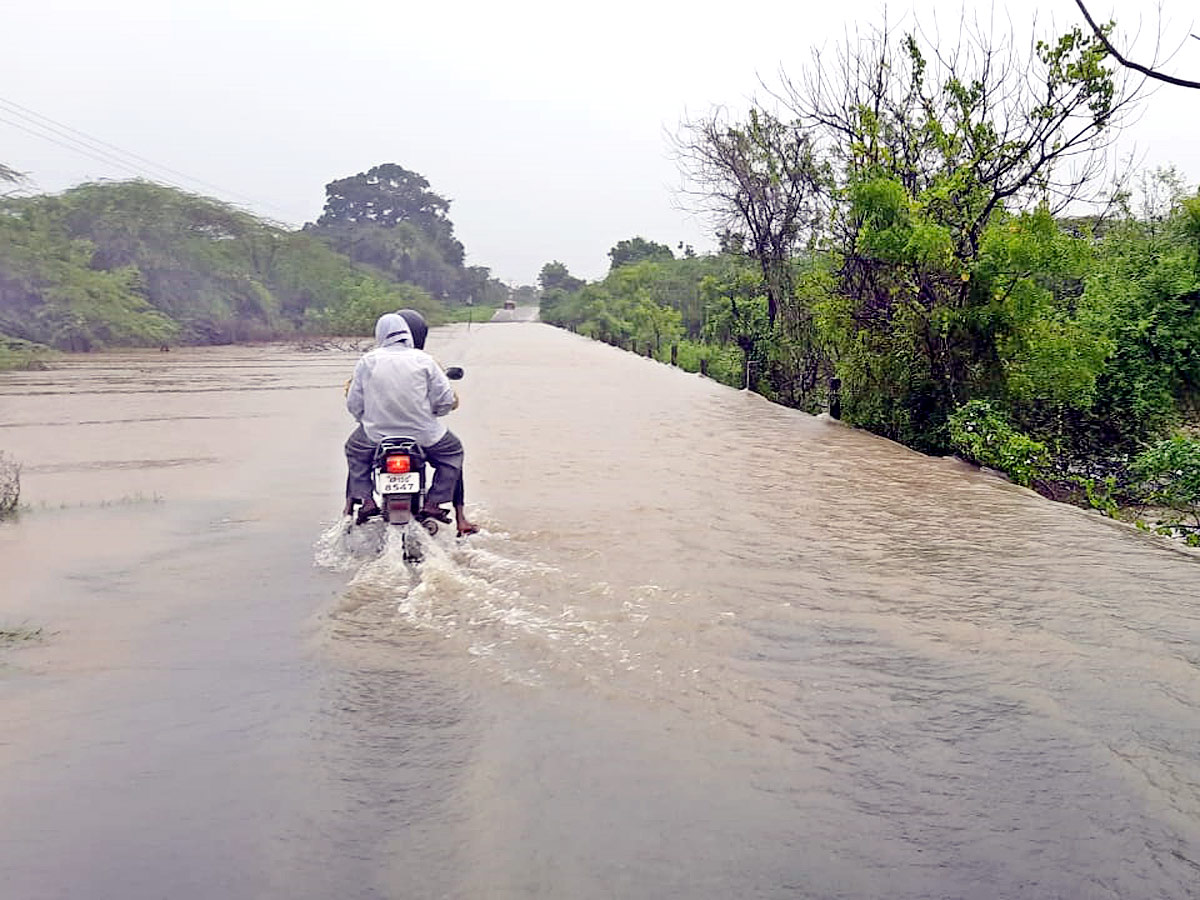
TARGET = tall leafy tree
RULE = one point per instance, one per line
(555, 276)
(636, 250)
(386, 195)
(388, 217)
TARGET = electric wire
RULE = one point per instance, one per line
(74, 134)
(108, 160)
(81, 142)
(66, 140)
(108, 149)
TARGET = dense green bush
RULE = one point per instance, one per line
(137, 264)
(982, 435)
(1170, 475)
(1144, 295)
(18, 354)
(363, 300)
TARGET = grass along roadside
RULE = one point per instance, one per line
(479, 313)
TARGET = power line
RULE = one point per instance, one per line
(87, 140)
(74, 134)
(103, 151)
(77, 148)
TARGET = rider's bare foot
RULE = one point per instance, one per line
(465, 525)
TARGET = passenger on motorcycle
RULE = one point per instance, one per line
(400, 390)
(420, 330)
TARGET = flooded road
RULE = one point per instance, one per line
(705, 648)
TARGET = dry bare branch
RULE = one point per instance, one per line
(1149, 71)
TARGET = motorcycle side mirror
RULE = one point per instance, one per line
(454, 373)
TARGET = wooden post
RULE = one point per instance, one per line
(674, 354)
(703, 366)
(835, 398)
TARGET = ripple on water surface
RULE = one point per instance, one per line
(522, 619)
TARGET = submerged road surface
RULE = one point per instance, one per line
(704, 648)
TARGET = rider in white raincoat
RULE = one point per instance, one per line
(399, 390)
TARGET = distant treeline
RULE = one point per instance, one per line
(139, 264)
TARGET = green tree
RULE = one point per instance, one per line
(653, 325)
(389, 218)
(1143, 295)
(927, 153)
(386, 195)
(637, 249)
(50, 294)
(556, 276)
(363, 300)
(603, 317)
(140, 263)
(736, 312)
(982, 435)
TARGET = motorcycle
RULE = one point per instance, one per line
(401, 481)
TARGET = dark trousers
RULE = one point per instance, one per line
(446, 457)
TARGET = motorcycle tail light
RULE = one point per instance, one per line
(398, 465)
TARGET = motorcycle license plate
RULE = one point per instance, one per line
(397, 483)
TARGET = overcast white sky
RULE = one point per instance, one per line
(544, 122)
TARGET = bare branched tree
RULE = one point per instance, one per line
(1150, 71)
(760, 180)
(1011, 127)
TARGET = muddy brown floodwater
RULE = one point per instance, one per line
(705, 647)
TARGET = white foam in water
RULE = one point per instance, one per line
(522, 614)
(456, 582)
(342, 547)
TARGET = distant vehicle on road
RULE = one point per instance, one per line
(510, 304)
